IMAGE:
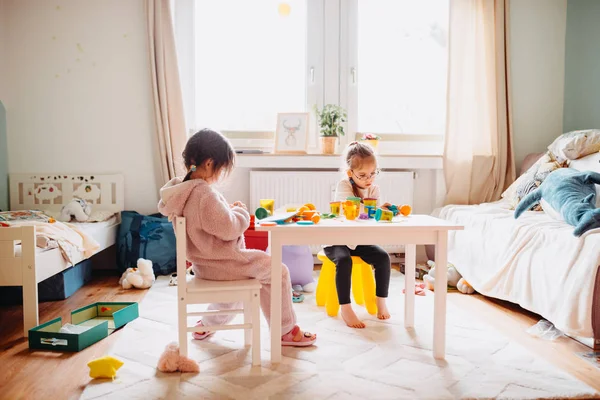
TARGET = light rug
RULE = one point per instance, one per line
(383, 361)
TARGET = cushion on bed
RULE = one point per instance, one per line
(532, 179)
(589, 163)
(576, 144)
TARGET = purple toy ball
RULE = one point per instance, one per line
(363, 216)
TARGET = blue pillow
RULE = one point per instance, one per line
(572, 194)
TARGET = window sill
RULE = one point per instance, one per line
(321, 161)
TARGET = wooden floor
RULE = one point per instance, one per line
(54, 375)
(40, 374)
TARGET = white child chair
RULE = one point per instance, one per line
(200, 291)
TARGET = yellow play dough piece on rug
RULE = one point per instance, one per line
(104, 367)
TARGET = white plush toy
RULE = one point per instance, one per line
(141, 277)
(77, 208)
(455, 279)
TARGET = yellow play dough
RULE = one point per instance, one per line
(104, 367)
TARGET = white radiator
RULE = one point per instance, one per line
(318, 187)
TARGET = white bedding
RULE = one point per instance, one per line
(50, 261)
(534, 261)
(100, 231)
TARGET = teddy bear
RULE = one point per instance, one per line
(77, 208)
(172, 361)
(141, 277)
(455, 279)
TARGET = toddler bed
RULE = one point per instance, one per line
(27, 256)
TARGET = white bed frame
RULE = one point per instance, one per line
(32, 192)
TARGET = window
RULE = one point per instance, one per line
(401, 66)
(250, 62)
(385, 61)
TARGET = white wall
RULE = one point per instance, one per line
(537, 43)
(80, 93)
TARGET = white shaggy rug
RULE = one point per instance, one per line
(383, 361)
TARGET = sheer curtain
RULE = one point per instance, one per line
(478, 154)
(166, 88)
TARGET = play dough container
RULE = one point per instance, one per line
(383, 215)
(334, 206)
(350, 210)
(370, 202)
(261, 213)
(268, 204)
(355, 200)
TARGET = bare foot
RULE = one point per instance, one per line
(382, 311)
(350, 317)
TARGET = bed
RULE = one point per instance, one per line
(22, 261)
(534, 261)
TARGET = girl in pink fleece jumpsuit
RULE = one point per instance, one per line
(215, 233)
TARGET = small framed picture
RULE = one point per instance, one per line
(291, 135)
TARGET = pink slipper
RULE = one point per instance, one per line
(419, 289)
(201, 335)
(297, 338)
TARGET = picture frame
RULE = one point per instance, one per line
(291, 133)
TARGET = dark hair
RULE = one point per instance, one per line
(207, 145)
(356, 153)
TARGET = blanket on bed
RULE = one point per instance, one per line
(74, 244)
(533, 261)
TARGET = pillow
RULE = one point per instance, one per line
(100, 216)
(576, 144)
(531, 180)
(589, 163)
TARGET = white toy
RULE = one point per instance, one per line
(141, 277)
(455, 279)
(76, 208)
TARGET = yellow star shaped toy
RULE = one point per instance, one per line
(104, 367)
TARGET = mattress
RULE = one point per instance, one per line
(50, 261)
(534, 261)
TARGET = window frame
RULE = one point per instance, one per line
(184, 12)
(332, 74)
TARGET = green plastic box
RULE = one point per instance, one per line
(100, 319)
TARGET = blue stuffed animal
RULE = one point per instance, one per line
(572, 194)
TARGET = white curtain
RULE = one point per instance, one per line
(168, 100)
(478, 154)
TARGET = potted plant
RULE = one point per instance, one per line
(371, 139)
(331, 119)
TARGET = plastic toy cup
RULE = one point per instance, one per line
(383, 215)
(355, 200)
(370, 202)
(335, 206)
(268, 204)
(350, 210)
(371, 211)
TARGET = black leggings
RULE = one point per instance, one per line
(341, 256)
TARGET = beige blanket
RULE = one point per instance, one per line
(534, 261)
(74, 244)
